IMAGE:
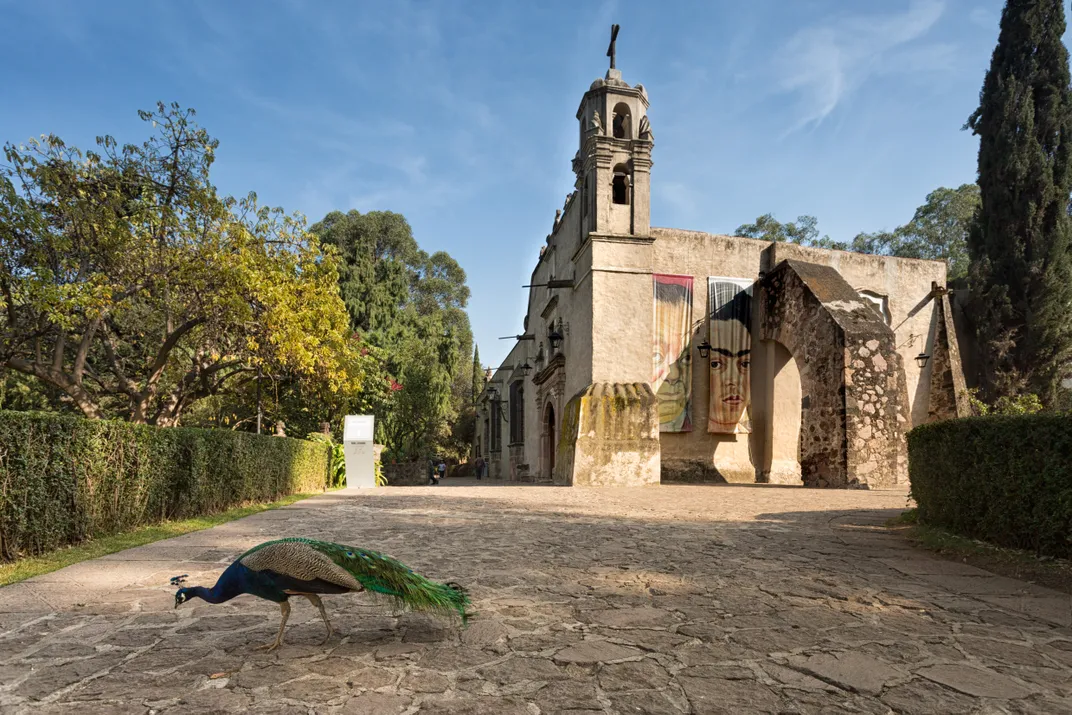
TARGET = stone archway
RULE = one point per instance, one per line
(549, 442)
(854, 402)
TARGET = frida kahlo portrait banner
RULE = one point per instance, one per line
(672, 363)
(729, 330)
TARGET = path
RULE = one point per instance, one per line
(673, 599)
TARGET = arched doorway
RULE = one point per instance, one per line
(549, 442)
(785, 418)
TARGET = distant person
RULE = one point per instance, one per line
(433, 472)
(442, 470)
(479, 465)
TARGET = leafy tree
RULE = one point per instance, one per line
(1021, 256)
(131, 289)
(24, 393)
(938, 231)
(412, 306)
(378, 267)
(804, 231)
(419, 418)
(301, 403)
(478, 376)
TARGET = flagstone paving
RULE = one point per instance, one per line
(673, 599)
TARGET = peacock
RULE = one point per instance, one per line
(279, 569)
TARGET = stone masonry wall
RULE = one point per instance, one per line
(854, 401)
(407, 474)
(609, 437)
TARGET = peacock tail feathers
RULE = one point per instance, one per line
(358, 569)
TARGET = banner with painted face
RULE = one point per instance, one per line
(672, 364)
(729, 324)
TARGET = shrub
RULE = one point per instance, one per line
(1006, 479)
(65, 479)
(337, 466)
(336, 460)
(1023, 404)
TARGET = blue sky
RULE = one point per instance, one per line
(460, 114)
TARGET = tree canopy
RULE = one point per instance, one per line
(804, 231)
(410, 304)
(937, 231)
(131, 289)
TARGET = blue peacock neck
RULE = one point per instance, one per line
(227, 587)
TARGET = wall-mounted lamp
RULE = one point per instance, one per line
(910, 342)
(554, 337)
(922, 359)
(704, 348)
(525, 368)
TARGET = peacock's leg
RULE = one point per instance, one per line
(284, 609)
(315, 600)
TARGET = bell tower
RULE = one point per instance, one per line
(613, 164)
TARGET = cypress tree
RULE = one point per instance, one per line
(1021, 256)
(478, 374)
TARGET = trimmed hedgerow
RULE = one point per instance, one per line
(1002, 479)
(65, 479)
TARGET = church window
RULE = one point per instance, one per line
(622, 125)
(517, 413)
(620, 185)
(496, 425)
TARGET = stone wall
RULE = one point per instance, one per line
(854, 403)
(408, 474)
(609, 437)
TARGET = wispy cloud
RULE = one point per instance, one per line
(822, 64)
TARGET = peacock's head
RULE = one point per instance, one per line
(183, 594)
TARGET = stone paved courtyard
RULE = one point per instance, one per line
(674, 599)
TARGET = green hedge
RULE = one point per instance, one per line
(1003, 479)
(64, 479)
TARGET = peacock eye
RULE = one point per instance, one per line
(350, 553)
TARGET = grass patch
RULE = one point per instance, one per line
(36, 565)
(1013, 563)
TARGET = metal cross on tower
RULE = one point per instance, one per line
(611, 53)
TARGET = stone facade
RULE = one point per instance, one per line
(589, 328)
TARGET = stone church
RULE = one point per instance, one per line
(653, 355)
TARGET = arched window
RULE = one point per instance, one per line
(622, 125)
(620, 186)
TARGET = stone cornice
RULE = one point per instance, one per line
(557, 362)
(551, 304)
(620, 90)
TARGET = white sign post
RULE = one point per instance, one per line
(357, 445)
